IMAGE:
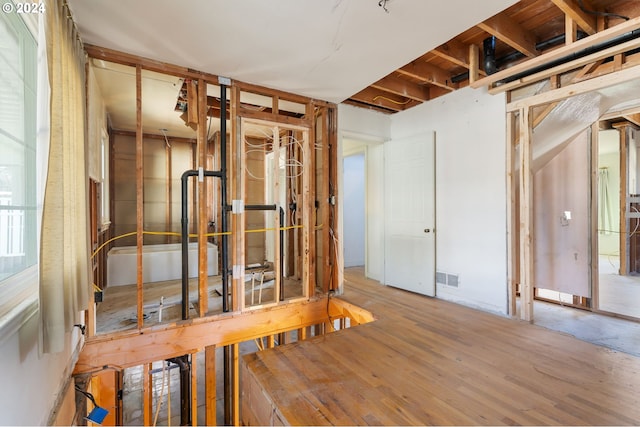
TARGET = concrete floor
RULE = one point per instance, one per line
(618, 295)
(612, 332)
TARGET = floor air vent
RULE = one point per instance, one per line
(447, 279)
(452, 280)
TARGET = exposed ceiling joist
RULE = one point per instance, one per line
(386, 100)
(584, 20)
(510, 32)
(428, 73)
(403, 87)
(456, 53)
(369, 106)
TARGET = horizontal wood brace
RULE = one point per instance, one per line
(133, 348)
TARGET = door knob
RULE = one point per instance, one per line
(427, 230)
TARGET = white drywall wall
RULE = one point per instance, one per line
(31, 382)
(354, 208)
(470, 127)
(362, 124)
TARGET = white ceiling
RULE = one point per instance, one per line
(322, 49)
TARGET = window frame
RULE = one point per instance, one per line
(19, 293)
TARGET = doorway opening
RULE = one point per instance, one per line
(617, 287)
(354, 210)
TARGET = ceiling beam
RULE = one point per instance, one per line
(428, 73)
(633, 118)
(456, 53)
(402, 87)
(572, 10)
(510, 32)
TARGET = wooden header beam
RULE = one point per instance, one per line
(123, 58)
(577, 89)
(133, 348)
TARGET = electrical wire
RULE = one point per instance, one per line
(96, 369)
(172, 233)
(391, 100)
(87, 395)
(164, 133)
(288, 164)
(596, 13)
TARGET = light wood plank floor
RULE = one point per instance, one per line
(427, 361)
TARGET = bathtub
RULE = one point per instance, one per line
(159, 263)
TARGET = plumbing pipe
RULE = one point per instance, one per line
(185, 388)
(503, 60)
(489, 49)
(575, 55)
(260, 207)
(224, 249)
(185, 236)
(281, 254)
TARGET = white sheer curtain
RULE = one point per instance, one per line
(64, 250)
(605, 220)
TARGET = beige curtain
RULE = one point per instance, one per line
(64, 250)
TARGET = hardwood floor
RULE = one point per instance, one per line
(427, 361)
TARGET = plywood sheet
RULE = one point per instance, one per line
(561, 246)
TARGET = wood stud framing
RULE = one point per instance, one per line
(592, 73)
(595, 282)
(624, 190)
(203, 291)
(237, 326)
(139, 197)
(512, 244)
(210, 385)
(526, 216)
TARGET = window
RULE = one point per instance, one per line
(18, 192)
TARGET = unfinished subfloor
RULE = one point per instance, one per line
(427, 361)
(117, 311)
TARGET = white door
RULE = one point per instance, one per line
(410, 214)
